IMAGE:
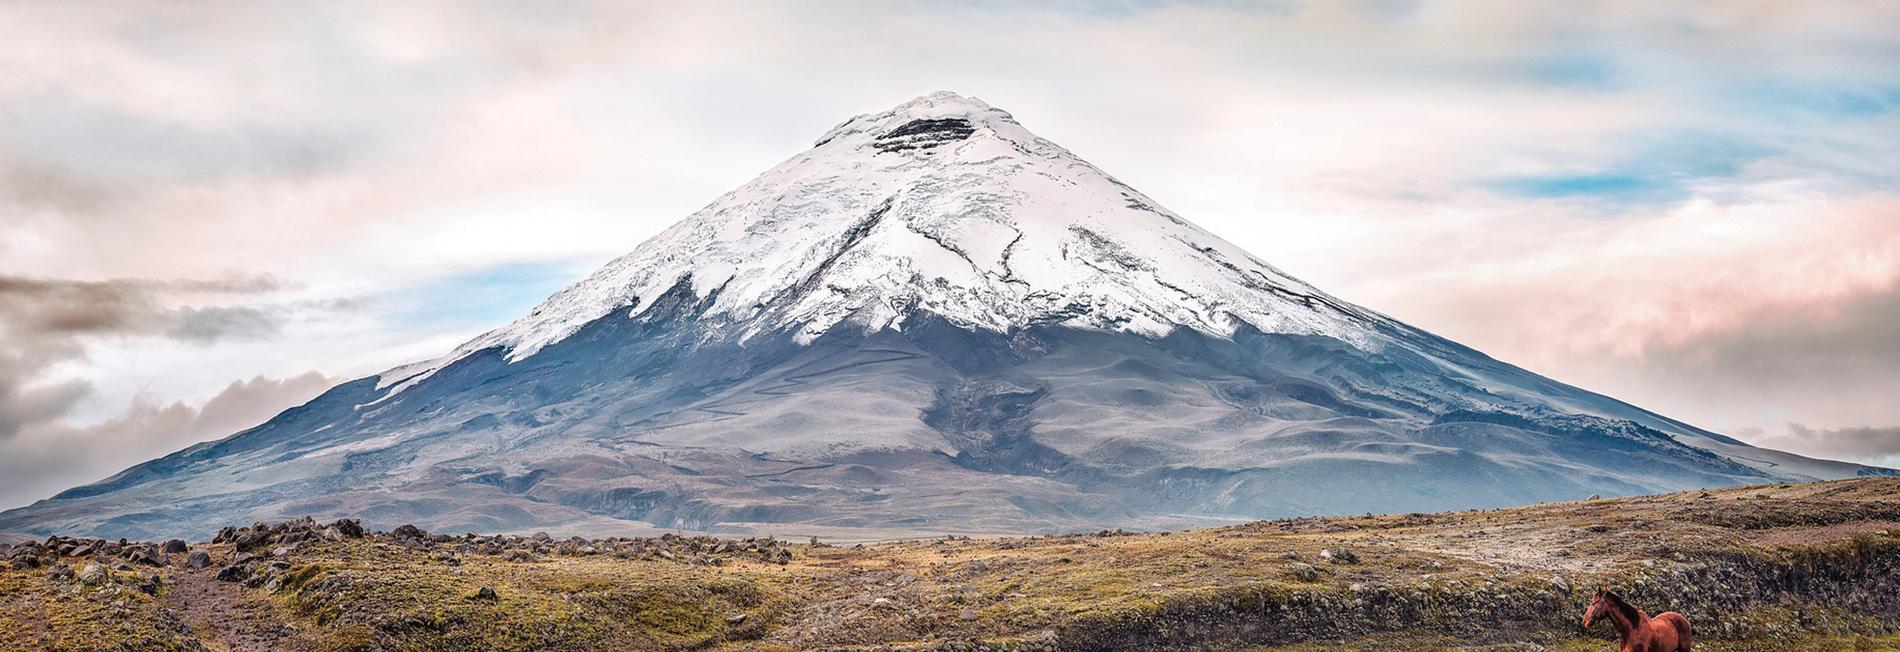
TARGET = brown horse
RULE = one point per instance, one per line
(1667, 632)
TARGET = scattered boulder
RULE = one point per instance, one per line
(234, 573)
(486, 593)
(175, 546)
(251, 538)
(197, 559)
(60, 572)
(349, 528)
(1304, 571)
(93, 574)
(149, 583)
(261, 536)
(1339, 556)
(143, 555)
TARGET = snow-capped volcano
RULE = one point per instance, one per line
(943, 204)
(932, 321)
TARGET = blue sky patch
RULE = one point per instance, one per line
(479, 299)
(1655, 167)
(1574, 70)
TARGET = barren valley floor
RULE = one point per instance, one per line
(1773, 567)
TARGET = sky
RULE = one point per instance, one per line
(212, 211)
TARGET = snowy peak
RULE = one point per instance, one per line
(942, 113)
(946, 205)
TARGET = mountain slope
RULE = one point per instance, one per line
(932, 321)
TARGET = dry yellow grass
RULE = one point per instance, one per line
(1813, 566)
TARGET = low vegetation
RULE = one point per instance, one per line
(1777, 567)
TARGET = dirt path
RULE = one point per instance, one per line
(224, 615)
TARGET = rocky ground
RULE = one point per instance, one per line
(1777, 567)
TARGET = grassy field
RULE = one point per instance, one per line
(1778, 567)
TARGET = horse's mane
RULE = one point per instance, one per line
(1629, 612)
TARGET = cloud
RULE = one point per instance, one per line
(1775, 309)
(49, 456)
(1866, 444)
(209, 325)
(38, 307)
(46, 322)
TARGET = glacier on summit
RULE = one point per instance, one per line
(989, 227)
(933, 321)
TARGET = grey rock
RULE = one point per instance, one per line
(1339, 556)
(59, 572)
(234, 573)
(93, 574)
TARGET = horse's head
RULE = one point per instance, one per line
(1599, 607)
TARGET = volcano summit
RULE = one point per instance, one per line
(933, 321)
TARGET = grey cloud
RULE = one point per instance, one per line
(1850, 345)
(1838, 362)
(35, 184)
(117, 144)
(208, 325)
(50, 456)
(22, 403)
(32, 307)
(48, 321)
(1871, 444)
(38, 307)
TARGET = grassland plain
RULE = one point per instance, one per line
(1773, 567)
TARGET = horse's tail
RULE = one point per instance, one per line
(1683, 635)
